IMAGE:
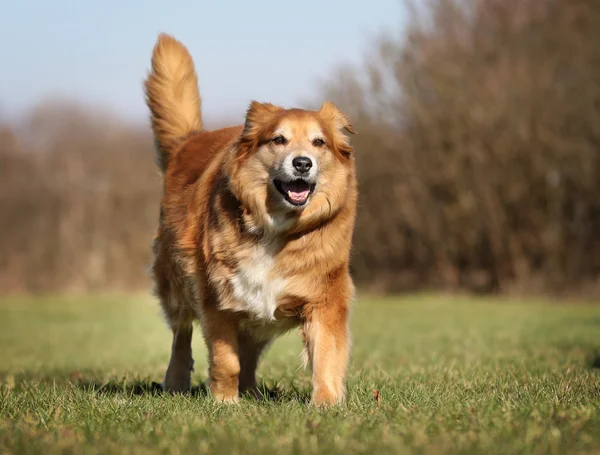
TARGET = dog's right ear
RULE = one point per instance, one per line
(257, 115)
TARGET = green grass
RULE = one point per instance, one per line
(455, 375)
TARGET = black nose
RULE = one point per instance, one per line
(302, 164)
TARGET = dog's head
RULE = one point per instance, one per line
(293, 167)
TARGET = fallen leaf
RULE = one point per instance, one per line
(312, 425)
(377, 396)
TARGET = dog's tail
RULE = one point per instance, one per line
(173, 98)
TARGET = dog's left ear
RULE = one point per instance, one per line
(333, 114)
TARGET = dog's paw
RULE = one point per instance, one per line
(326, 398)
(226, 399)
(177, 383)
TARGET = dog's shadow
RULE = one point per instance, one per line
(594, 360)
(141, 387)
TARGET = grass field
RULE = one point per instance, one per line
(454, 375)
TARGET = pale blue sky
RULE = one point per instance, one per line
(98, 52)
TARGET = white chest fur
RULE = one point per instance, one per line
(255, 286)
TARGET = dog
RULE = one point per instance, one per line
(254, 235)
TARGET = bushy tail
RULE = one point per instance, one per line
(173, 98)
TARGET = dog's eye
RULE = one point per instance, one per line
(280, 140)
(318, 142)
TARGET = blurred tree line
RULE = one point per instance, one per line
(79, 197)
(478, 154)
(479, 148)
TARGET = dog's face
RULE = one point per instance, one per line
(294, 166)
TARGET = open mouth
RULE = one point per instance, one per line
(295, 192)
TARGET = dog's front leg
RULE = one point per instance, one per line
(326, 340)
(221, 335)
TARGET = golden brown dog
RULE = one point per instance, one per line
(255, 232)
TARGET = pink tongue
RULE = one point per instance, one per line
(298, 197)
(297, 191)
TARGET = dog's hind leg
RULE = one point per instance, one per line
(250, 351)
(181, 365)
(180, 318)
(178, 313)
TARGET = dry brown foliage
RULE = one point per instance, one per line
(79, 203)
(480, 148)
